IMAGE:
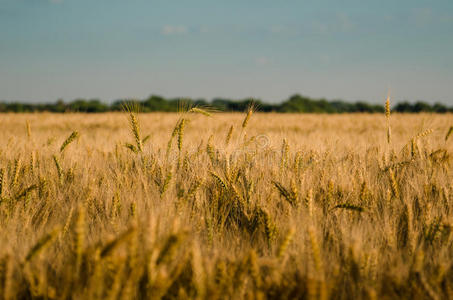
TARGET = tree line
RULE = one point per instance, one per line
(295, 104)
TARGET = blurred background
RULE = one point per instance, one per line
(352, 50)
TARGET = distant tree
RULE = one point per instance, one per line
(155, 103)
(220, 104)
(439, 108)
(422, 107)
(201, 102)
(363, 107)
(342, 107)
(59, 106)
(378, 108)
(295, 103)
(404, 107)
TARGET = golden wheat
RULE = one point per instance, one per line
(312, 206)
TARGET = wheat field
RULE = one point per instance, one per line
(202, 205)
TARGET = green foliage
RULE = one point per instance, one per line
(420, 106)
(295, 104)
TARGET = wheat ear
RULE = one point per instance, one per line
(69, 140)
(387, 116)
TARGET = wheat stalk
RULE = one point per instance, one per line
(349, 206)
(169, 248)
(284, 157)
(309, 201)
(110, 247)
(42, 244)
(210, 150)
(284, 245)
(68, 223)
(166, 183)
(254, 269)
(315, 250)
(270, 229)
(449, 132)
(115, 288)
(16, 171)
(289, 195)
(32, 162)
(80, 233)
(132, 108)
(181, 127)
(25, 191)
(200, 111)
(28, 129)
(69, 140)
(387, 116)
(59, 168)
(394, 184)
(7, 277)
(228, 137)
(250, 110)
(219, 181)
(2, 181)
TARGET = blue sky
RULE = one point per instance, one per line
(110, 49)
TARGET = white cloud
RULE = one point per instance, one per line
(174, 30)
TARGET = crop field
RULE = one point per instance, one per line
(201, 205)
